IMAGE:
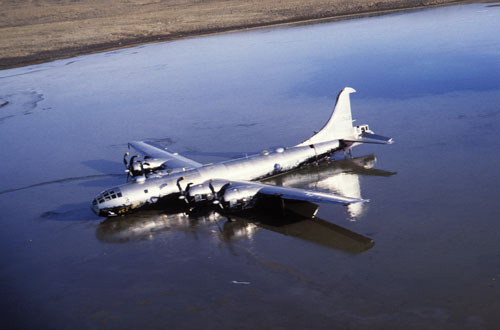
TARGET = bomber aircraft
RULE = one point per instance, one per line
(158, 176)
(339, 176)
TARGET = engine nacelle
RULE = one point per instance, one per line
(138, 166)
(200, 193)
(239, 197)
(207, 191)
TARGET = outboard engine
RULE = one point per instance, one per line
(134, 167)
(138, 166)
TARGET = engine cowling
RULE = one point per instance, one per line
(200, 193)
(208, 191)
(239, 197)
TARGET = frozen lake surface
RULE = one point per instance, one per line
(430, 79)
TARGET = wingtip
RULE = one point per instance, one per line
(355, 201)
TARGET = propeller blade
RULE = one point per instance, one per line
(130, 166)
(179, 184)
(220, 194)
(212, 189)
(125, 159)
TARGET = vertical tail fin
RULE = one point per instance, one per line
(340, 124)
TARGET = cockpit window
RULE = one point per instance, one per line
(109, 195)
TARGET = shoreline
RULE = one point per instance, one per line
(42, 56)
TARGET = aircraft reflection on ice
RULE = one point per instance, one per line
(244, 225)
(339, 177)
(147, 224)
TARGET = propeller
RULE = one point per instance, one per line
(210, 185)
(220, 194)
(142, 167)
(183, 193)
(129, 166)
(179, 183)
(186, 192)
(125, 159)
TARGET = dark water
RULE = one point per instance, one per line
(427, 254)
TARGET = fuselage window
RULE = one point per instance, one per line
(119, 194)
(145, 191)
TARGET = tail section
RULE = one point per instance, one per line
(340, 124)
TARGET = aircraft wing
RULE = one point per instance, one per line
(278, 200)
(160, 155)
(307, 195)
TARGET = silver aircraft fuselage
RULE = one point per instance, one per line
(162, 174)
(143, 191)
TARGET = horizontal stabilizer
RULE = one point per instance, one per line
(371, 136)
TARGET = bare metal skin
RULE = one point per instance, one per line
(232, 184)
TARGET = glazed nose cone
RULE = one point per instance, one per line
(95, 207)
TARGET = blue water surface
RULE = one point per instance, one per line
(428, 78)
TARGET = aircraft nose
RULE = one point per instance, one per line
(95, 207)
